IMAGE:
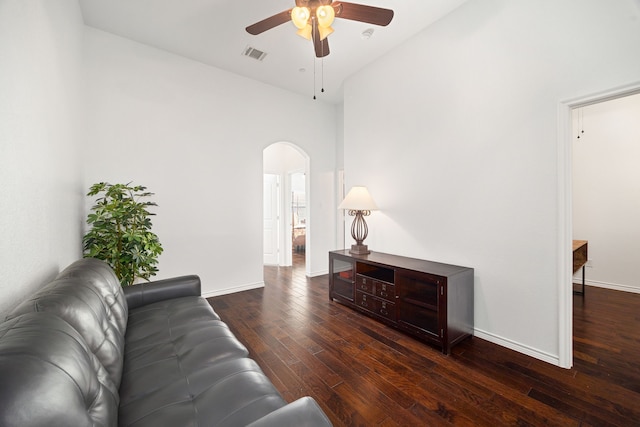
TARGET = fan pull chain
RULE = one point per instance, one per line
(314, 78)
(322, 71)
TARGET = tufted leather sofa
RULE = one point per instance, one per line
(83, 351)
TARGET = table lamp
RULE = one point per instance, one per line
(359, 204)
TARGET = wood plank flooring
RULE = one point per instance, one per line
(365, 374)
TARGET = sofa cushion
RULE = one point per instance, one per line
(232, 392)
(82, 306)
(172, 350)
(50, 378)
(304, 412)
(182, 333)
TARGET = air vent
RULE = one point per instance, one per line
(254, 53)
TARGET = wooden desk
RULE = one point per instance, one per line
(580, 258)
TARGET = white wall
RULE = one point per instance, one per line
(40, 189)
(195, 136)
(459, 148)
(606, 191)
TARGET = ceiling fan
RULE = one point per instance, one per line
(313, 18)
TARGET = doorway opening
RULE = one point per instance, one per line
(566, 135)
(298, 216)
(605, 179)
(287, 230)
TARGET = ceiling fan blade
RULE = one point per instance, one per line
(321, 46)
(269, 23)
(362, 13)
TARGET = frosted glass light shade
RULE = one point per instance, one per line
(324, 32)
(305, 32)
(358, 199)
(300, 16)
(325, 15)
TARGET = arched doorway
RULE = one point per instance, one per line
(286, 200)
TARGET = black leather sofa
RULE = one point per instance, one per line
(83, 351)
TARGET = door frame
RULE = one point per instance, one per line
(275, 215)
(565, 212)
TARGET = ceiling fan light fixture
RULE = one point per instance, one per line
(325, 14)
(305, 32)
(313, 19)
(300, 17)
(324, 32)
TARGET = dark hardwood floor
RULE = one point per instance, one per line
(363, 373)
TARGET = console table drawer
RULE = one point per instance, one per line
(377, 306)
(385, 290)
(376, 287)
(364, 283)
(387, 310)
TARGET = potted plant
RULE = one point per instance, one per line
(120, 231)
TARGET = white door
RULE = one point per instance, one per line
(270, 214)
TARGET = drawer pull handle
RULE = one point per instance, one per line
(384, 312)
(363, 287)
(383, 294)
(364, 304)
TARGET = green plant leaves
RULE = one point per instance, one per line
(120, 231)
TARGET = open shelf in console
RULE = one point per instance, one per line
(378, 272)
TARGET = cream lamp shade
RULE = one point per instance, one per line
(358, 199)
(359, 203)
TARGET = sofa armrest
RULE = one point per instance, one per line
(160, 290)
(303, 412)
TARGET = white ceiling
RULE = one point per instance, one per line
(213, 32)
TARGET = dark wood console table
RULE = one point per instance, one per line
(428, 300)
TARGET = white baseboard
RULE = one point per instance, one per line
(318, 273)
(520, 348)
(226, 291)
(613, 286)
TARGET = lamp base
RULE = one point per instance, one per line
(359, 250)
